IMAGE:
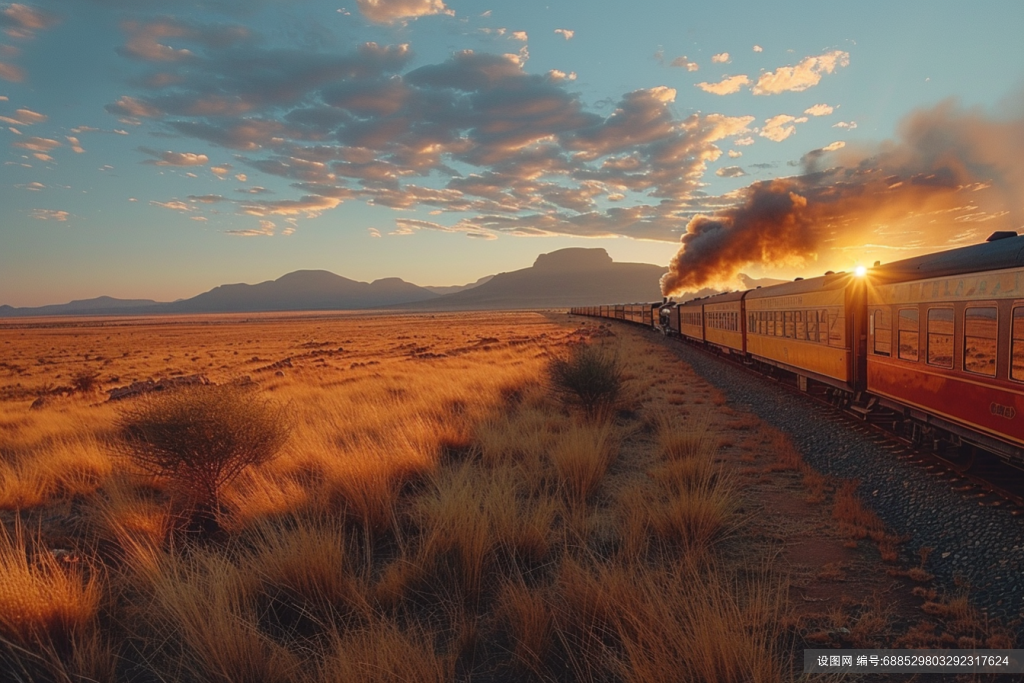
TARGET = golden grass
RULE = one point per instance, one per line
(436, 514)
(45, 600)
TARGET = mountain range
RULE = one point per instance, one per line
(567, 277)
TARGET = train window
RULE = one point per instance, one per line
(909, 336)
(940, 337)
(980, 333)
(1017, 345)
(801, 326)
(812, 325)
(777, 317)
(789, 324)
(883, 332)
(823, 327)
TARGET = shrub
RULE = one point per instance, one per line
(85, 382)
(201, 438)
(590, 376)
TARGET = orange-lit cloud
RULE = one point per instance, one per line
(565, 33)
(778, 128)
(726, 86)
(10, 72)
(169, 158)
(390, 11)
(36, 144)
(49, 215)
(720, 58)
(953, 176)
(819, 110)
(804, 75)
(24, 117)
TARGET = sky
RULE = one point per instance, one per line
(156, 149)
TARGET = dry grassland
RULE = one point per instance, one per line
(437, 514)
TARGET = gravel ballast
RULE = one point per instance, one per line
(983, 546)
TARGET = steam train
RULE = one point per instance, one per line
(933, 344)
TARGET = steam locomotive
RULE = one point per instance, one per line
(933, 344)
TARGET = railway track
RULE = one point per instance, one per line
(980, 477)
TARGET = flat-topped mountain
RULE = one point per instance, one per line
(567, 277)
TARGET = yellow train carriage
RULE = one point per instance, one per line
(723, 321)
(691, 319)
(808, 327)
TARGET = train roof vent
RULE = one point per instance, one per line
(797, 279)
(1001, 235)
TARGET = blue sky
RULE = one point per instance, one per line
(157, 149)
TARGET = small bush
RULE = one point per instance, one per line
(201, 438)
(85, 382)
(590, 376)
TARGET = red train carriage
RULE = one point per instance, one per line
(724, 323)
(948, 351)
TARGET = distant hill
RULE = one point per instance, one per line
(567, 277)
(102, 305)
(451, 289)
(302, 290)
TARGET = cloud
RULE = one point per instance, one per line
(170, 158)
(804, 75)
(130, 106)
(777, 129)
(32, 187)
(819, 110)
(76, 146)
(730, 172)
(21, 21)
(173, 205)
(565, 33)
(49, 215)
(735, 154)
(684, 62)
(720, 58)
(727, 86)
(849, 125)
(390, 11)
(474, 134)
(24, 117)
(311, 206)
(10, 72)
(953, 175)
(206, 198)
(374, 232)
(839, 144)
(758, 48)
(266, 229)
(35, 144)
(520, 35)
(144, 39)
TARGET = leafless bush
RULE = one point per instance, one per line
(590, 376)
(200, 438)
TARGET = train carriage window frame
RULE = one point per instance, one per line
(935, 338)
(823, 327)
(881, 319)
(801, 325)
(812, 325)
(790, 329)
(983, 364)
(908, 324)
(1017, 343)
